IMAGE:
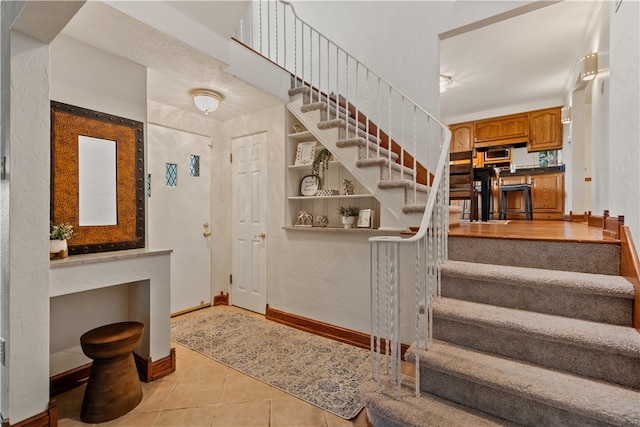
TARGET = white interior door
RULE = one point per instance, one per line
(249, 185)
(180, 211)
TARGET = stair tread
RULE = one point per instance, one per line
(612, 338)
(403, 183)
(599, 284)
(425, 409)
(383, 162)
(357, 142)
(599, 400)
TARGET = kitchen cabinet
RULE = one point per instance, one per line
(503, 130)
(461, 137)
(545, 130)
(547, 192)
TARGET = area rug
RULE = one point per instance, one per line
(318, 370)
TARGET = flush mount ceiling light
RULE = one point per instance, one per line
(206, 100)
(589, 66)
(565, 115)
(445, 82)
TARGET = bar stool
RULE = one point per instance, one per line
(526, 191)
(114, 386)
(466, 209)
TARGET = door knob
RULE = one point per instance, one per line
(205, 225)
(261, 235)
(206, 234)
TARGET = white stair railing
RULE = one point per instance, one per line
(390, 119)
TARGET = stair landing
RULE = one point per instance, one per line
(546, 230)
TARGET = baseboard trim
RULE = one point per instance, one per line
(148, 371)
(337, 333)
(222, 299)
(189, 310)
(65, 381)
(151, 371)
(48, 418)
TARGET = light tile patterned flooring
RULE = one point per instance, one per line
(203, 392)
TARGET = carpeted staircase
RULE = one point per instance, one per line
(543, 341)
(525, 332)
(360, 152)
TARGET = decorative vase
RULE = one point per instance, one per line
(348, 221)
(58, 248)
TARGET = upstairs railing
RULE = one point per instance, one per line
(371, 108)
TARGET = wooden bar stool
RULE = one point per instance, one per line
(114, 386)
(528, 205)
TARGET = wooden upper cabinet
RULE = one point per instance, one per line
(545, 130)
(501, 130)
(461, 137)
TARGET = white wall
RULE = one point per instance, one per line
(87, 77)
(91, 78)
(624, 114)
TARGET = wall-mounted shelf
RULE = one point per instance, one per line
(320, 205)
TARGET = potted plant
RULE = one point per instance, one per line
(349, 214)
(58, 236)
(321, 165)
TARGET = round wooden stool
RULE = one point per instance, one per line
(114, 386)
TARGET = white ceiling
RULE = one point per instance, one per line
(526, 59)
(174, 68)
(514, 62)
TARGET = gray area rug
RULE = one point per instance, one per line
(318, 370)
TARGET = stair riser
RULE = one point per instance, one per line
(588, 362)
(594, 258)
(596, 308)
(324, 116)
(343, 134)
(498, 402)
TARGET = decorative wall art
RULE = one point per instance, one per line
(306, 153)
(97, 178)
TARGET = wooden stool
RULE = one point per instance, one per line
(114, 386)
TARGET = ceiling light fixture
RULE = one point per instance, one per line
(445, 82)
(589, 66)
(206, 100)
(565, 115)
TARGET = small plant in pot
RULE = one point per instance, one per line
(349, 214)
(58, 236)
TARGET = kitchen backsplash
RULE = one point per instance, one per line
(521, 158)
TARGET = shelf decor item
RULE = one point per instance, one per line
(58, 235)
(321, 165)
(349, 214)
(305, 153)
(322, 221)
(309, 185)
(305, 219)
(347, 187)
(365, 218)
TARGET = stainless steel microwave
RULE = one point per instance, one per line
(497, 155)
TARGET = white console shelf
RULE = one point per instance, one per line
(135, 282)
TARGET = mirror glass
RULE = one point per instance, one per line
(97, 181)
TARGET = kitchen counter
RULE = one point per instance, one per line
(532, 170)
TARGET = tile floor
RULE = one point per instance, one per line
(203, 392)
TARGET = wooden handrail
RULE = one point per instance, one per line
(630, 269)
(422, 172)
